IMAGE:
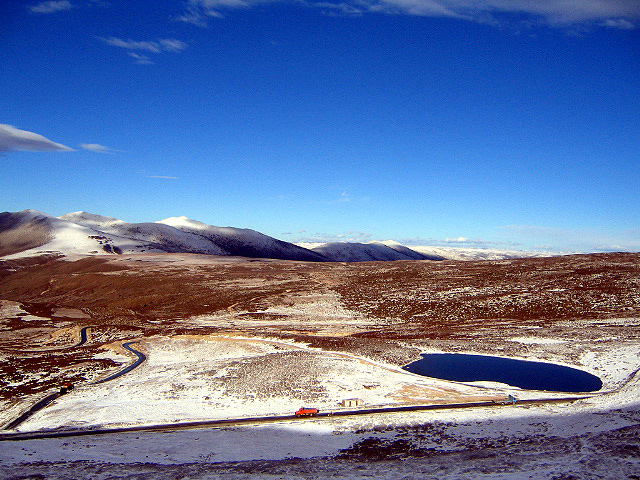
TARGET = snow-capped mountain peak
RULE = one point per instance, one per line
(184, 222)
(31, 233)
(91, 220)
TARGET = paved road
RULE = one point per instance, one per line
(83, 336)
(141, 358)
(50, 398)
(38, 406)
(269, 419)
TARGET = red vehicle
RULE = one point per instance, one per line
(307, 412)
(66, 387)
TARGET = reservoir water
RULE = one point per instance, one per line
(517, 373)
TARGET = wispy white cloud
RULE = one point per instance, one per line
(163, 177)
(623, 14)
(134, 47)
(552, 12)
(197, 11)
(153, 46)
(12, 138)
(172, 45)
(51, 6)
(457, 240)
(619, 23)
(97, 148)
(140, 59)
(346, 197)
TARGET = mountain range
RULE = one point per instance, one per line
(31, 232)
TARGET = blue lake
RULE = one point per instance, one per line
(518, 373)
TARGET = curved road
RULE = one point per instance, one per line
(141, 358)
(50, 398)
(246, 420)
(83, 337)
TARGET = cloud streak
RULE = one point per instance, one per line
(606, 13)
(154, 46)
(139, 50)
(51, 6)
(12, 138)
(140, 59)
(97, 148)
(352, 236)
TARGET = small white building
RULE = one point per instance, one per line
(351, 402)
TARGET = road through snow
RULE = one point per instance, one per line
(141, 358)
(50, 398)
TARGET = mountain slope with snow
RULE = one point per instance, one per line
(23, 230)
(468, 254)
(368, 252)
(42, 233)
(243, 241)
(31, 232)
(153, 235)
(409, 252)
(360, 252)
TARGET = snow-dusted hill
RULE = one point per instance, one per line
(155, 236)
(31, 232)
(410, 252)
(242, 241)
(22, 231)
(367, 252)
(360, 252)
(460, 253)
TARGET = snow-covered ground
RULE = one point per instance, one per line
(195, 377)
(201, 378)
(531, 442)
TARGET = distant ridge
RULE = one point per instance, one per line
(31, 233)
(370, 252)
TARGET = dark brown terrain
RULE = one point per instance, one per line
(580, 310)
(404, 305)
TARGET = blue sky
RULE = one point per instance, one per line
(502, 124)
